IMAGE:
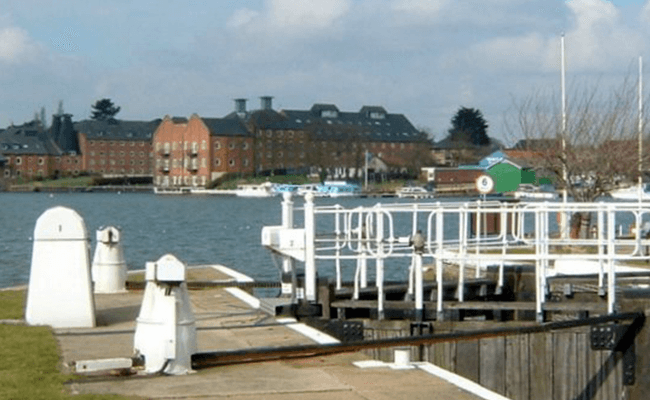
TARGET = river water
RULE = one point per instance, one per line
(196, 229)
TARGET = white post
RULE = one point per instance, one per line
(379, 280)
(478, 237)
(539, 289)
(439, 239)
(601, 250)
(337, 227)
(611, 248)
(310, 249)
(288, 265)
(462, 242)
(419, 295)
(563, 219)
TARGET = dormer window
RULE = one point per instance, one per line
(377, 115)
(329, 114)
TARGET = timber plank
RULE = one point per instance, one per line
(517, 384)
(541, 366)
(492, 364)
(467, 360)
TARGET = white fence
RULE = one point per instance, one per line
(466, 236)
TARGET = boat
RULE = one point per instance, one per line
(341, 189)
(414, 192)
(172, 190)
(528, 191)
(255, 190)
(632, 193)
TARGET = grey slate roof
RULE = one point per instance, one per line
(226, 127)
(373, 123)
(118, 130)
(29, 138)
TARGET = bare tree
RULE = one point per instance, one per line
(595, 151)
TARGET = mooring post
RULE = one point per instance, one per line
(310, 250)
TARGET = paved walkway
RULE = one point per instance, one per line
(225, 322)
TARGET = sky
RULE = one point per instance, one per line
(421, 58)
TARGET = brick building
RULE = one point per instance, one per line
(195, 151)
(32, 152)
(117, 148)
(324, 138)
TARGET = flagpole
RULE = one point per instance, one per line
(564, 218)
(640, 128)
(365, 184)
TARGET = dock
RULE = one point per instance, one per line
(226, 322)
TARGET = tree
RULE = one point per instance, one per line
(596, 149)
(104, 110)
(468, 126)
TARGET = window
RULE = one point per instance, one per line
(231, 162)
(132, 154)
(231, 146)
(132, 144)
(245, 162)
(217, 162)
(217, 145)
(19, 160)
(122, 154)
(41, 161)
(203, 162)
(245, 146)
(204, 145)
(92, 162)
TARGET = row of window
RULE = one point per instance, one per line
(41, 161)
(115, 162)
(114, 143)
(181, 180)
(121, 153)
(119, 171)
(194, 146)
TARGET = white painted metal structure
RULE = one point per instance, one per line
(60, 289)
(109, 267)
(456, 236)
(165, 332)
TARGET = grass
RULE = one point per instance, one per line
(11, 304)
(65, 182)
(30, 358)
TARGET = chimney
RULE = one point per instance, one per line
(266, 102)
(55, 128)
(240, 107)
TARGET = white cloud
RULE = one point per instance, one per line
(420, 6)
(307, 14)
(645, 13)
(16, 46)
(242, 17)
(288, 16)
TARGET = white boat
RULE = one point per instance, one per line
(172, 190)
(255, 190)
(219, 192)
(632, 193)
(528, 191)
(340, 189)
(414, 192)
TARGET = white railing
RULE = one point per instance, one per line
(463, 235)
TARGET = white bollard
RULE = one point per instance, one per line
(109, 268)
(165, 331)
(60, 288)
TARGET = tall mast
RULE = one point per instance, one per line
(640, 127)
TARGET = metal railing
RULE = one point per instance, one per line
(464, 236)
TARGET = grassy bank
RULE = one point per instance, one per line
(30, 358)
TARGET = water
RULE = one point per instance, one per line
(196, 229)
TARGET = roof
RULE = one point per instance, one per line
(225, 127)
(373, 123)
(117, 130)
(29, 138)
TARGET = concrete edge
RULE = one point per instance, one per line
(238, 276)
(305, 330)
(457, 380)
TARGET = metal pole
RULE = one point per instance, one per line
(310, 249)
(563, 219)
(379, 279)
(439, 240)
(640, 130)
(611, 249)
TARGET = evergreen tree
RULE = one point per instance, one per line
(104, 110)
(469, 126)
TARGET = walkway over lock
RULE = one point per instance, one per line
(472, 235)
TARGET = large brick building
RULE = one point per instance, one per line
(325, 138)
(194, 151)
(32, 152)
(117, 148)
